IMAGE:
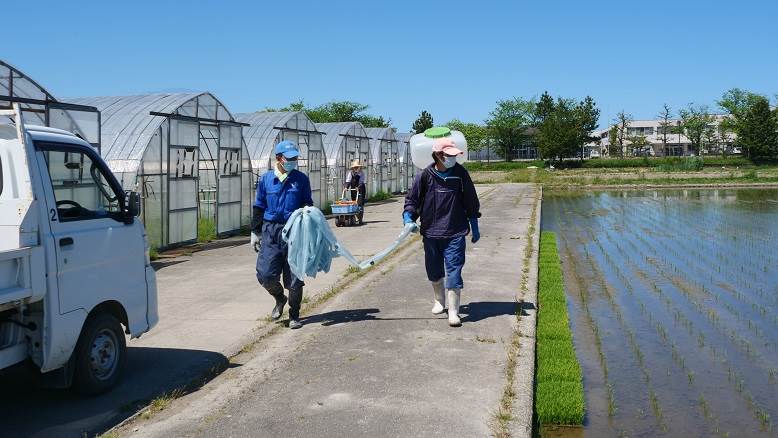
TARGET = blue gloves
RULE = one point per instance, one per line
(474, 228)
(407, 219)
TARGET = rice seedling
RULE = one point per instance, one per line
(559, 387)
(703, 405)
(701, 291)
(611, 400)
(764, 419)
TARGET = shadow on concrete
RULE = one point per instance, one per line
(28, 410)
(472, 312)
(480, 310)
(162, 264)
(524, 306)
(342, 316)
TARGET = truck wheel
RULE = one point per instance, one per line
(100, 354)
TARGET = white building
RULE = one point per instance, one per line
(677, 144)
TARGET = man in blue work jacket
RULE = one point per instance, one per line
(280, 192)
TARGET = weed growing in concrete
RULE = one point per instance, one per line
(206, 230)
(161, 403)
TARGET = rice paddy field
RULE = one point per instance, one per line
(672, 297)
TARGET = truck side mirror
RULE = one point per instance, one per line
(133, 204)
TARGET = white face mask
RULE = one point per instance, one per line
(449, 162)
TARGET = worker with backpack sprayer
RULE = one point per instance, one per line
(444, 198)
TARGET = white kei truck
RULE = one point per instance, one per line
(75, 275)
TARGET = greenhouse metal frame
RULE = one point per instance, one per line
(384, 152)
(39, 107)
(185, 153)
(267, 129)
(343, 143)
(406, 168)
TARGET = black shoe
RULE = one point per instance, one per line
(279, 308)
(295, 324)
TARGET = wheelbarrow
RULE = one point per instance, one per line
(347, 211)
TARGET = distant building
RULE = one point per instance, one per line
(527, 150)
(652, 130)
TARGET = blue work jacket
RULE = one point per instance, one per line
(280, 199)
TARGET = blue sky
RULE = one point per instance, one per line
(454, 59)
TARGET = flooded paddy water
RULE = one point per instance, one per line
(673, 301)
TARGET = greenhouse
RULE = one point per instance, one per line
(343, 143)
(267, 129)
(39, 107)
(383, 150)
(185, 153)
(407, 169)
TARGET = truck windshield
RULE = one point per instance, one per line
(80, 188)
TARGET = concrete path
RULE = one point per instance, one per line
(210, 306)
(374, 362)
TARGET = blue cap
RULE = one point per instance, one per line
(288, 149)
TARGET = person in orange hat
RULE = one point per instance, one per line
(444, 198)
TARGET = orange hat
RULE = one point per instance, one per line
(447, 146)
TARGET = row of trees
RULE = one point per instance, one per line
(748, 122)
(558, 127)
(338, 111)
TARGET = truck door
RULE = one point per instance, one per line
(99, 257)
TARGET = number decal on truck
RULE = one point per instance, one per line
(53, 215)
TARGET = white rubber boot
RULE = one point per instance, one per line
(453, 307)
(439, 305)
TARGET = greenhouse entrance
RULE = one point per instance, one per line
(204, 178)
(384, 152)
(405, 165)
(183, 173)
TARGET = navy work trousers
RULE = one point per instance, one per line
(445, 258)
(272, 265)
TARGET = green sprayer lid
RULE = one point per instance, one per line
(437, 132)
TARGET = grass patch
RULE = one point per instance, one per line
(586, 178)
(686, 164)
(379, 196)
(477, 166)
(559, 395)
(667, 162)
(161, 403)
(206, 229)
(671, 163)
(153, 253)
(558, 402)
